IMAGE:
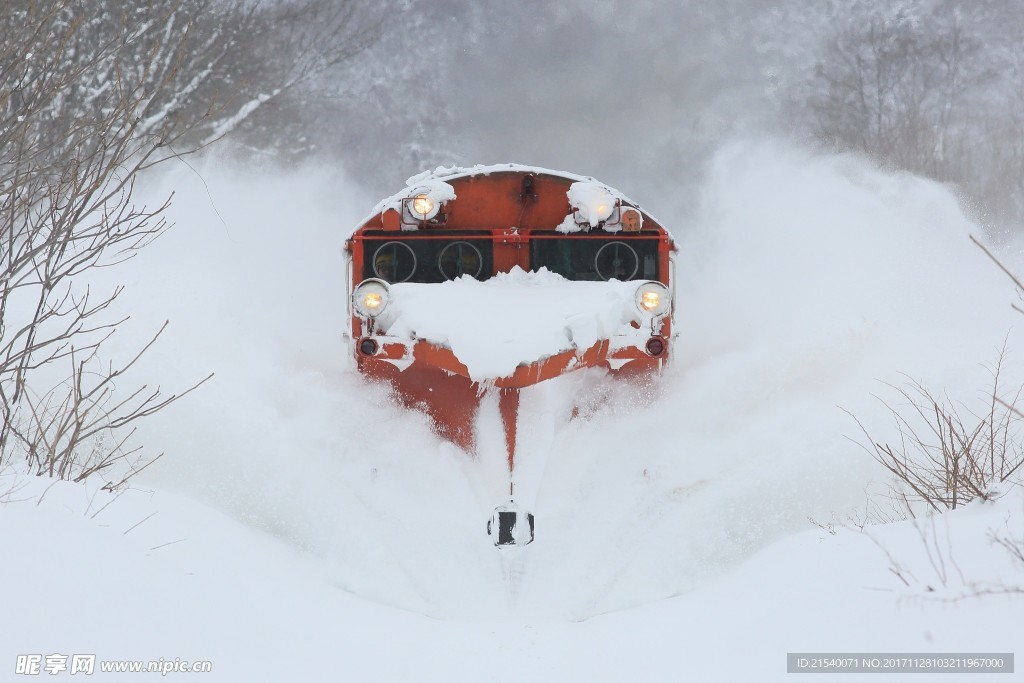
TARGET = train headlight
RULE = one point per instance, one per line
(423, 207)
(592, 203)
(370, 298)
(653, 298)
(602, 211)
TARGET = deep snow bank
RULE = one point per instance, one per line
(153, 576)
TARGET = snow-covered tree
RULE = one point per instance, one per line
(92, 93)
(929, 86)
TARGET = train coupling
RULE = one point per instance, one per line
(510, 525)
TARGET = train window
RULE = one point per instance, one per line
(586, 258)
(616, 261)
(394, 262)
(459, 258)
(439, 257)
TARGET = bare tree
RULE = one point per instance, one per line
(92, 93)
(896, 86)
(293, 54)
(78, 129)
(929, 86)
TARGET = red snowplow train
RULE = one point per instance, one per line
(481, 222)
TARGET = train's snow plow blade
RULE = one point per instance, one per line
(510, 525)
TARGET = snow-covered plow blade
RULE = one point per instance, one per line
(489, 280)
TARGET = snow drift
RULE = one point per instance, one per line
(191, 584)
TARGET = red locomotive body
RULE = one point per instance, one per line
(480, 223)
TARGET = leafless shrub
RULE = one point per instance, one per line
(10, 486)
(1012, 545)
(877, 510)
(948, 455)
(941, 568)
(938, 574)
(1010, 537)
(77, 429)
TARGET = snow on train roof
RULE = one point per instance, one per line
(435, 183)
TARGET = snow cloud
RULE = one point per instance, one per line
(805, 282)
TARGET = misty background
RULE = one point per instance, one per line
(640, 94)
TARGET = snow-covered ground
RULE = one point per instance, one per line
(302, 527)
(160, 576)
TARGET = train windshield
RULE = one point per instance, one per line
(417, 259)
(591, 258)
(450, 255)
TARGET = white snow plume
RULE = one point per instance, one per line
(285, 437)
(804, 283)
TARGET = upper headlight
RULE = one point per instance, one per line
(423, 207)
(592, 203)
(653, 298)
(370, 298)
